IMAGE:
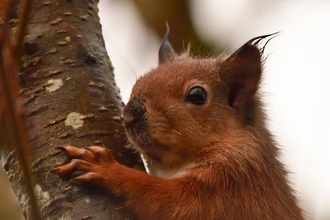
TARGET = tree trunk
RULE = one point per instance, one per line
(71, 98)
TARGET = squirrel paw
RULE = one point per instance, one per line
(94, 160)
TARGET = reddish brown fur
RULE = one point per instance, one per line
(232, 171)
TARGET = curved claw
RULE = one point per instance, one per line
(92, 154)
(71, 151)
(95, 161)
(64, 170)
(101, 153)
(74, 165)
(89, 177)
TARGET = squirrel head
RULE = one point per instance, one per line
(187, 104)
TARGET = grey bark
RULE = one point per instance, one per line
(69, 91)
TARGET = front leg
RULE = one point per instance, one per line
(150, 197)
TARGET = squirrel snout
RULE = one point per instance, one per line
(133, 113)
(131, 120)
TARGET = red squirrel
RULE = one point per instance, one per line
(199, 126)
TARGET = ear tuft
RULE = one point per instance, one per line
(166, 51)
(241, 72)
(268, 37)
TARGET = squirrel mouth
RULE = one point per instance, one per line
(145, 143)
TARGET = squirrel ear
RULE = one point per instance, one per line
(241, 72)
(166, 51)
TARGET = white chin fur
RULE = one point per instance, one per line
(156, 169)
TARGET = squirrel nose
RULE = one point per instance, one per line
(131, 120)
(133, 112)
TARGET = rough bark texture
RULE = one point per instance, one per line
(71, 98)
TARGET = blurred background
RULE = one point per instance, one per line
(296, 81)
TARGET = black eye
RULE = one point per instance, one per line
(196, 96)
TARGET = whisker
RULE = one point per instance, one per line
(225, 106)
(175, 131)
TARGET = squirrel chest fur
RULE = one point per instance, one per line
(199, 127)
